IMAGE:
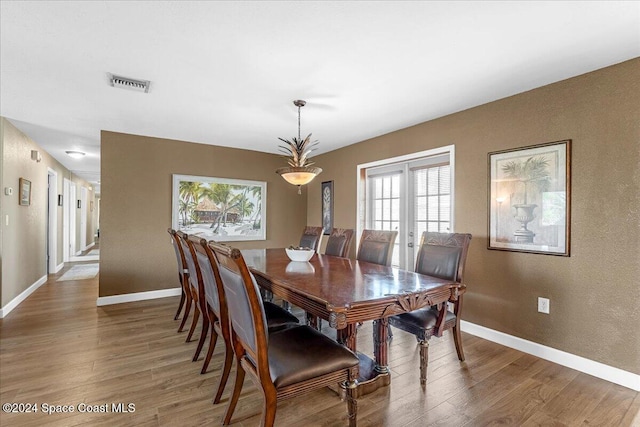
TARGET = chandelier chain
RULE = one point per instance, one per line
(299, 122)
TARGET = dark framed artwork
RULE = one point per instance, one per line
(530, 199)
(25, 192)
(60, 198)
(327, 206)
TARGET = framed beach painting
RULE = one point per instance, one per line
(530, 199)
(219, 209)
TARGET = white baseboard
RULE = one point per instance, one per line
(59, 267)
(23, 296)
(579, 363)
(88, 246)
(138, 296)
(85, 258)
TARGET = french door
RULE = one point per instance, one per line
(410, 196)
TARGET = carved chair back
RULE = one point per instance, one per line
(376, 246)
(339, 242)
(311, 237)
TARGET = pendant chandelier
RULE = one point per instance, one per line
(300, 170)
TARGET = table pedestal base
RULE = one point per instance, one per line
(369, 378)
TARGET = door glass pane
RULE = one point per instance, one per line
(432, 208)
(386, 213)
(395, 210)
(432, 201)
(395, 186)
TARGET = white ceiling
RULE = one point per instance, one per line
(226, 73)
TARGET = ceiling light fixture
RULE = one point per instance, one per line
(299, 172)
(75, 154)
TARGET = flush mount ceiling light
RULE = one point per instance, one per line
(299, 172)
(129, 83)
(75, 154)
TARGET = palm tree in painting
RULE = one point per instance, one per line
(245, 207)
(256, 192)
(533, 172)
(190, 195)
(223, 196)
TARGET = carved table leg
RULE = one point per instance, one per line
(380, 345)
(347, 336)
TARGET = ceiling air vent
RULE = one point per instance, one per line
(129, 83)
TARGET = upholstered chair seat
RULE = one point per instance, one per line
(301, 353)
(422, 323)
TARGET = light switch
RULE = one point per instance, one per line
(8, 191)
(6, 220)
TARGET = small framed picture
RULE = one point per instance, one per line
(327, 206)
(25, 192)
(59, 199)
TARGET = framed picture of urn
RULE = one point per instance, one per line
(529, 199)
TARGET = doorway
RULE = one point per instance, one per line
(410, 194)
(52, 222)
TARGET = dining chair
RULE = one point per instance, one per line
(197, 290)
(192, 281)
(284, 364)
(376, 246)
(311, 237)
(441, 255)
(216, 313)
(183, 277)
(277, 317)
(339, 242)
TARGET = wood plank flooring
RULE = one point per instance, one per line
(58, 348)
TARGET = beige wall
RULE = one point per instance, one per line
(594, 293)
(135, 212)
(24, 240)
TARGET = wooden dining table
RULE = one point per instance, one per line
(346, 292)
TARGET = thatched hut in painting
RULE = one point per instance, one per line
(208, 212)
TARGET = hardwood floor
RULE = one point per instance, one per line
(58, 348)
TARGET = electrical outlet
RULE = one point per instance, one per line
(543, 305)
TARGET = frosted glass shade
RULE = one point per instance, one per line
(298, 175)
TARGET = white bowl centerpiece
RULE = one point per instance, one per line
(299, 253)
